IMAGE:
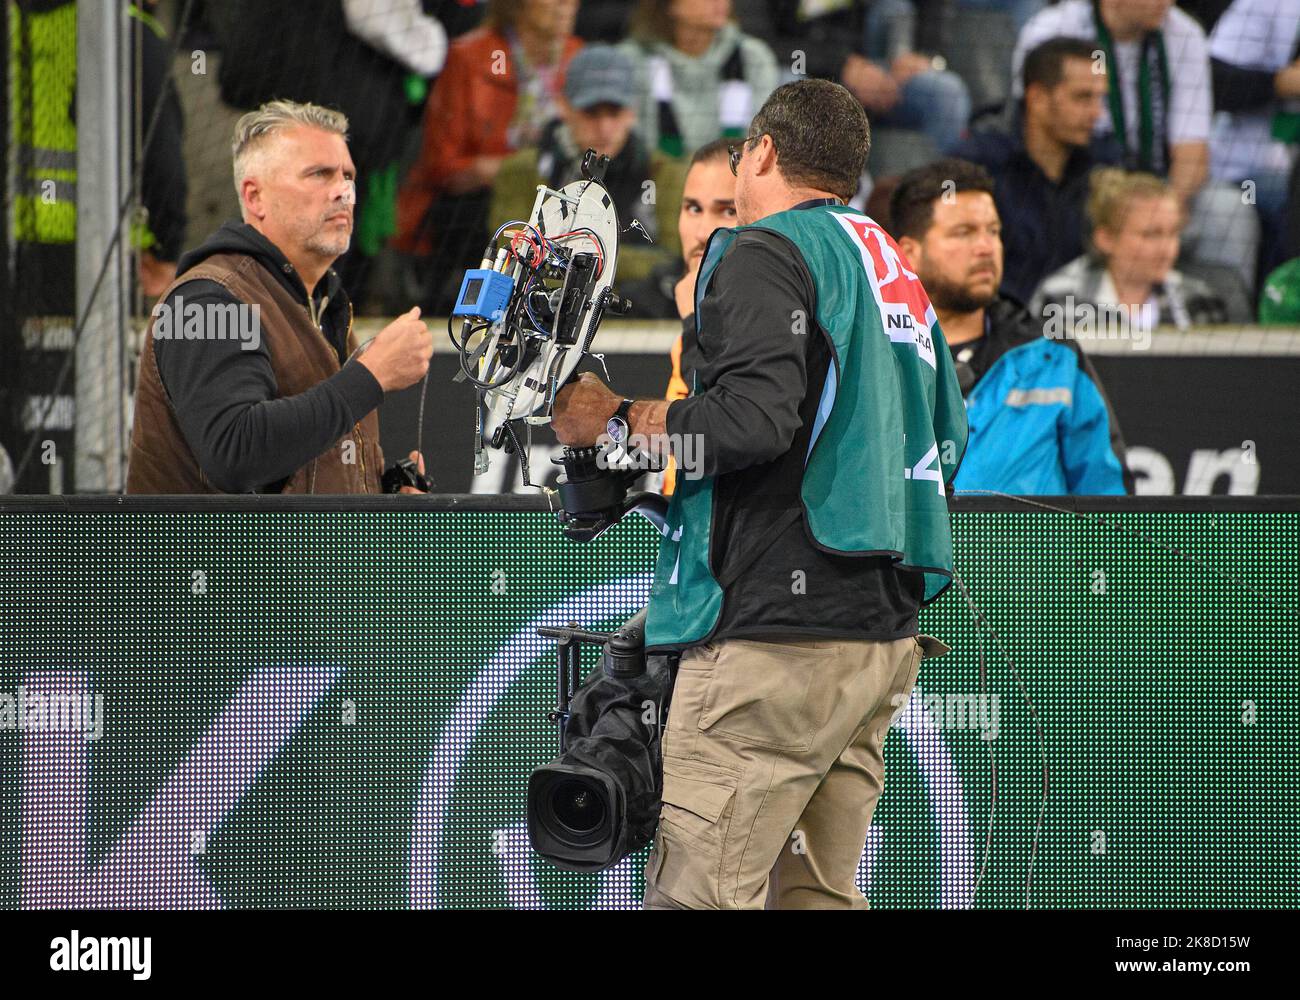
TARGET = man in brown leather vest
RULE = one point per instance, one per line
(251, 378)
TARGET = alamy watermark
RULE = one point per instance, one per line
(1071, 320)
(75, 953)
(955, 711)
(650, 452)
(180, 320)
(28, 711)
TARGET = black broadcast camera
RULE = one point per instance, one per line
(599, 800)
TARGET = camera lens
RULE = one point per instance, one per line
(574, 812)
(578, 806)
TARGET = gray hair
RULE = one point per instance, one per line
(272, 117)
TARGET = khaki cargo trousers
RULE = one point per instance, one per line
(773, 766)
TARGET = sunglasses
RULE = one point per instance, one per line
(734, 153)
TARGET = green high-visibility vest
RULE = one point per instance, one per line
(889, 432)
(43, 80)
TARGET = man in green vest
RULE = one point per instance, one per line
(808, 525)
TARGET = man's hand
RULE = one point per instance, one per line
(399, 354)
(875, 88)
(418, 459)
(908, 65)
(582, 409)
(1287, 81)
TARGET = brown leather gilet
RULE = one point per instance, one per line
(301, 357)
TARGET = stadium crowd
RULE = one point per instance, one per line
(458, 109)
(1043, 167)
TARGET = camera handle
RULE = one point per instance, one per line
(593, 499)
(623, 658)
(568, 668)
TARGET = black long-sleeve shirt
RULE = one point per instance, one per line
(763, 365)
(243, 436)
(758, 366)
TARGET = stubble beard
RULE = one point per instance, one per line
(321, 242)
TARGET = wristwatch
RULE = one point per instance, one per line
(616, 427)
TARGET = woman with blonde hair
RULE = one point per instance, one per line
(1135, 220)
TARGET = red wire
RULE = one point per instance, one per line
(540, 250)
(523, 234)
(600, 257)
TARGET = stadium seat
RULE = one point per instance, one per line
(898, 150)
(979, 50)
(1227, 284)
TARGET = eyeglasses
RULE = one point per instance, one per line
(734, 153)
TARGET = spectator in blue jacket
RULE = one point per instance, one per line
(1039, 420)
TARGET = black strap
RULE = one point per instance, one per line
(727, 578)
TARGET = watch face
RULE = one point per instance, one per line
(616, 428)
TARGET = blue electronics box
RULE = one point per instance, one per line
(484, 294)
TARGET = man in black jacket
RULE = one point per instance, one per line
(247, 381)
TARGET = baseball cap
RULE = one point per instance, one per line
(600, 74)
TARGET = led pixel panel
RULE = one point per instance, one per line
(341, 709)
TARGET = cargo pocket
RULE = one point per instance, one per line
(767, 694)
(697, 805)
(690, 687)
(932, 647)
